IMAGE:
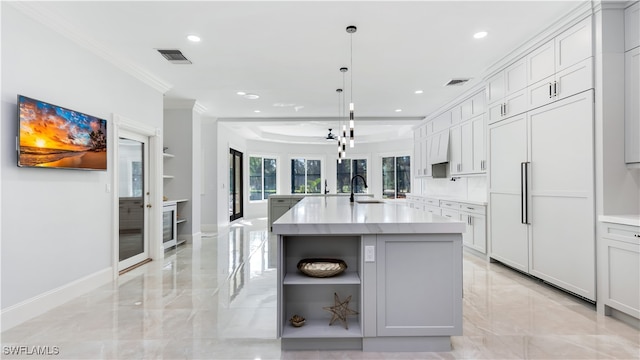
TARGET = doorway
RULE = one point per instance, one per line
(133, 199)
(235, 184)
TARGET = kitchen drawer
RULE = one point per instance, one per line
(432, 202)
(433, 209)
(474, 209)
(279, 202)
(620, 232)
(453, 214)
(445, 204)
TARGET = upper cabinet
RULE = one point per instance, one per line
(561, 67)
(632, 86)
(505, 92)
(632, 27)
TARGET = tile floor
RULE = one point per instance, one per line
(217, 300)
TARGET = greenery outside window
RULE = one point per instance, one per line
(306, 176)
(346, 170)
(396, 177)
(262, 178)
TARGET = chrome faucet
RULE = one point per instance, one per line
(351, 199)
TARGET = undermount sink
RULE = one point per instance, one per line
(369, 201)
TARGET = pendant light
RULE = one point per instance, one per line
(350, 30)
(339, 91)
(343, 70)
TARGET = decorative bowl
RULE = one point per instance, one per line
(320, 267)
(297, 320)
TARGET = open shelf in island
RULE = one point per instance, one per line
(320, 328)
(346, 278)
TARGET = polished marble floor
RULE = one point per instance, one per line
(217, 300)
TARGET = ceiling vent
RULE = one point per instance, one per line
(174, 56)
(456, 82)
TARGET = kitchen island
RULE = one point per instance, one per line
(403, 276)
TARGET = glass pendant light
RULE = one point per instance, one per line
(350, 30)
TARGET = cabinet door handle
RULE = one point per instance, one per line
(555, 88)
(636, 235)
(550, 94)
(505, 109)
(524, 193)
(470, 208)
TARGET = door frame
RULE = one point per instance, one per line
(233, 152)
(155, 248)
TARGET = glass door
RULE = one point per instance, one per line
(133, 196)
(235, 184)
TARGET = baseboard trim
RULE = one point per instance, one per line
(17, 314)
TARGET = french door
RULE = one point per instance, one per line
(133, 199)
(235, 184)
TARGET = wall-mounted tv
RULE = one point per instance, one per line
(55, 137)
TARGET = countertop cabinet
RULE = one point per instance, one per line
(467, 147)
(620, 271)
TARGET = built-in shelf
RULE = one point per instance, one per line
(165, 155)
(167, 176)
(347, 278)
(180, 221)
(180, 241)
(320, 328)
(175, 201)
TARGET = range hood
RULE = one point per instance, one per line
(439, 155)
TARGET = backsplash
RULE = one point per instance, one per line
(470, 188)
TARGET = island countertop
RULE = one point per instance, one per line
(336, 215)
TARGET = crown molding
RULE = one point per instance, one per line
(34, 11)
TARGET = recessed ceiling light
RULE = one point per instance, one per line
(241, 93)
(193, 38)
(398, 110)
(480, 35)
(418, 92)
(251, 96)
(256, 111)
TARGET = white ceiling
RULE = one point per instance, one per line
(290, 52)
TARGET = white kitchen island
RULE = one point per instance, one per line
(404, 276)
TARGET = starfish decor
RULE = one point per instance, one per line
(340, 310)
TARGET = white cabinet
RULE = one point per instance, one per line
(542, 166)
(505, 92)
(632, 26)
(632, 106)
(565, 83)
(417, 153)
(476, 235)
(620, 270)
(467, 147)
(280, 204)
(569, 48)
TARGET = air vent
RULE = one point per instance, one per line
(174, 56)
(456, 82)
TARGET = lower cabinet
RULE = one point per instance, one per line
(476, 235)
(620, 268)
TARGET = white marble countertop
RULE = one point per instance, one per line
(335, 215)
(632, 220)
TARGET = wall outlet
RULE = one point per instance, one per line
(369, 254)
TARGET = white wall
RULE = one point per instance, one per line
(209, 168)
(57, 224)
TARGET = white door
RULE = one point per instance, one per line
(133, 196)
(562, 187)
(509, 236)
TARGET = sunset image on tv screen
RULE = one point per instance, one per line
(52, 136)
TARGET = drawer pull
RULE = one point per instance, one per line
(470, 208)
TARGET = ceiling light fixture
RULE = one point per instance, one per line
(193, 38)
(256, 111)
(251, 96)
(350, 30)
(241, 93)
(480, 35)
(418, 92)
(398, 110)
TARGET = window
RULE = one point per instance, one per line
(262, 178)
(306, 176)
(346, 170)
(396, 177)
